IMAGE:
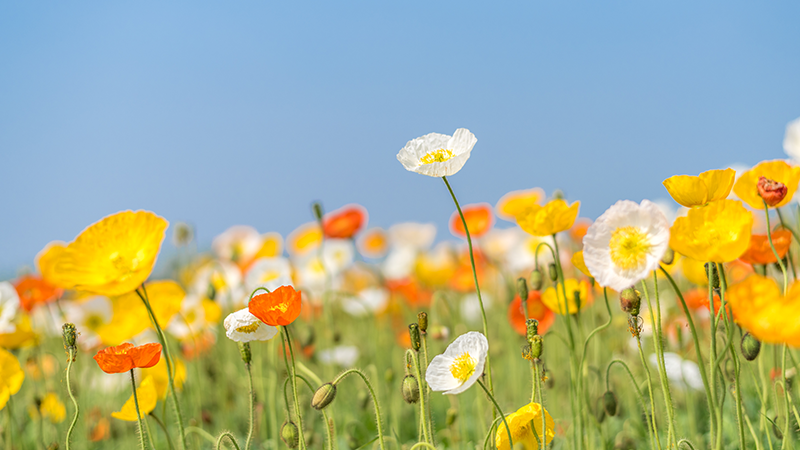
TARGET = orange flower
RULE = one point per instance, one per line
(759, 251)
(345, 222)
(479, 220)
(536, 310)
(279, 307)
(579, 229)
(33, 290)
(698, 298)
(409, 291)
(125, 357)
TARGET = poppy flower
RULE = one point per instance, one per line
(759, 251)
(552, 218)
(52, 408)
(345, 222)
(125, 357)
(373, 243)
(516, 203)
(770, 317)
(241, 326)
(520, 422)
(34, 291)
(11, 376)
(460, 366)
(438, 155)
(147, 397)
(719, 232)
(710, 186)
(746, 187)
(579, 294)
(279, 307)
(536, 310)
(479, 220)
(238, 244)
(304, 239)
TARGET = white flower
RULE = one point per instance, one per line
(438, 155)
(9, 304)
(343, 355)
(191, 320)
(237, 243)
(399, 263)
(471, 306)
(220, 281)
(241, 326)
(369, 300)
(460, 365)
(791, 141)
(626, 243)
(417, 236)
(270, 273)
(682, 372)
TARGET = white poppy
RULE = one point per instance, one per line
(270, 273)
(791, 141)
(682, 372)
(369, 300)
(399, 263)
(418, 236)
(237, 243)
(9, 304)
(241, 326)
(191, 320)
(460, 366)
(343, 355)
(471, 306)
(626, 243)
(438, 155)
(220, 281)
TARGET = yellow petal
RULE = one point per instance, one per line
(778, 170)
(577, 262)
(554, 217)
(694, 271)
(146, 394)
(130, 316)
(759, 307)
(160, 378)
(687, 190)
(719, 183)
(719, 232)
(554, 298)
(516, 203)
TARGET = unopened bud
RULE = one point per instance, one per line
(773, 192)
(316, 207)
(776, 430)
(630, 300)
(290, 434)
(669, 256)
(410, 389)
(422, 321)
(532, 326)
(323, 396)
(69, 333)
(413, 332)
(537, 280)
(553, 272)
(522, 289)
(537, 346)
(713, 279)
(610, 403)
(750, 347)
(244, 349)
(452, 415)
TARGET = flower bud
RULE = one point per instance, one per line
(630, 300)
(450, 418)
(750, 347)
(410, 389)
(316, 207)
(522, 289)
(776, 430)
(69, 332)
(669, 256)
(182, 234)
(773, 192)
(290, 434)
(552, 270)
(536, 347)
(422, 321)
(537, 280)
(533, 328)
(610, 403)
(713, 279)
(244, 349)
(413, 331)
(323, 396)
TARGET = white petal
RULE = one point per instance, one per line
(438, 374)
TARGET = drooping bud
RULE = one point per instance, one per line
(750, 347)
(410, 389)
(323, 396)
(290, 434)
(522, 289)
(630, 300)
(537, 280)
(316, 207)
(413, 332)
(713, 279)
(532, 326)
(669, 256)
(452, 415)
(244, 349)
(69, 332)
(552, 270)
(422, 321)
(610, 403)
(773, 192)
(776, 430)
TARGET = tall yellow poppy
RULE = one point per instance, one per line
(709, 186)
(746, 187)
(719, 232)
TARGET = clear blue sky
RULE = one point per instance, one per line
(223, 113)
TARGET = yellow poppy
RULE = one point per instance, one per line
(52, 409)
(271, 246)
(46, 260)
(710, 186)
(719, 232)
(516, 203)
(552, 218)
(130, 316)
(113, 256)
(578, 263)
(778, 170)
(146, 394)
(577, 291)
(520, 424)
(304, 239)
(694, 271)
(22, 335)
(160, 379)
(436, 267)
(11, 376)
(759, 307)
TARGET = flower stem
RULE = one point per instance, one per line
(293, 377)
(508, 430)
(164, 429)
(70, 360)
(422, 408)
(723, 284)
(230, 438)
(775, 252)
(374, 401)
(650, 425)
(541, 403)
(138, 414)
(711, 361)
(252, 408)
(650, 390)
(424, 384)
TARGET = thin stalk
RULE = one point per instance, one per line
(794, 234)
(650, 390)
(422, 408)
(424, 384)
(328, 423)
(541, 403)
(9, 424)
(252, 408)
(374, 401)
(712, 365)
(775, 252)
(70, 360)
(293, 375)
(138, 414)
(164, 429)
(508, 429)
(639, 396)
(225, 434)
(737, 366)
(785, 396)
(662, 370)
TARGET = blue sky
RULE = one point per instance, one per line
(224, 113)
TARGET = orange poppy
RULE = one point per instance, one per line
(279, 307)
(536, 310)
(759, 251)
(125, 357)
(698, 298)
(579, 229)
(409, 291)
(479, 220)
(345, 222)
(33, 290)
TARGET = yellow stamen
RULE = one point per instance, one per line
(628, 247)
(249, 328)
(440, 155)
(463, 367)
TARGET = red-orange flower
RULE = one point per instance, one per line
(536, 310)
(279, 307)
(125, 357)
(759, 251)
(345, 222)
(33, 290)
(479, 220)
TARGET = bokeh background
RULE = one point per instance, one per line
(224, 113)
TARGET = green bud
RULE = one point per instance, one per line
(323, 396)
(410, 389)
(669, 256)
(69, 332)
(244, 349)
(182, 234)
(776, 429)
(316, 207)
(522, 289)
(413, 331)
(750, 347)
(537, 280)
(533, 328)
(610, 403)
(536, 347)
(714, 278)
(552, 270)
(422, 321)
(630, 300)
(290, 434)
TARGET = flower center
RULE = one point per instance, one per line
(463, 367)
(629, 247)
(93, 322)
(435, 156)
(249, 328)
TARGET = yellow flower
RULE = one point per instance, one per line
(520, 424)
(719, 232)
(130, 315)
(759, 307)
(710, 186)
(11, 376)
(694, 271)
(516, 203)
(436, 267)
(578, 293)
(113, 256)
(746, 186)
(52, 408)
(578, 263)
(554, 217)
(146, 394)
(160, 379)
(46, 261)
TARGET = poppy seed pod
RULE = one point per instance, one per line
(410, 389)
(630, 300)
(773, 192)
(610, 403)
(552, 270)
(323, 396)
(422, 321)
(522, 289)
(537, 280)
(316, 207)
(290, 434)
(713, 279)
(669, 256)
(244, 349)
(750, 347)
(413, 332)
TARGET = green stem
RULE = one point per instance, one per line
(225, 434)
(737, 367)
(138, 414)
(70, 360)
(786, 436)
(164, 429)
(9, 425)
(714, 411)
(686, 443)
(328, 430)
(541, 404)
(374, 401)
(422, 408)
(508, 429)
(650, 390)
(252, 408)
(775, 252)
(422, 444)
(794, 234)
(424, 384)
(662, 370)
(293, 375)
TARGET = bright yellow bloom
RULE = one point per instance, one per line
(552, 218)
(577, 292)
(578, 263)
(52, 408)
(778, 170)
(146, 394)
(46, 262)
(113, 256)
(710, 186)
(694, 271)
(130, 315)
(759, 307)
(22, 336)
(520, 424)
(719, 232)
(516, 203)
(160, 379)
(11, 376)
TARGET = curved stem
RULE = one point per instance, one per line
(70, 360)
(775, 252)
(543, 443)
(328, 431)
(489, 433)
(205, 434)
(723, 283)
(164, 429)
(422, 444)
(293, 375)
(224, 435)
(685, 442)
(662, 370)
(639, 395)
(252, 408)
(374, 400)
(503, 416)
(138, 414)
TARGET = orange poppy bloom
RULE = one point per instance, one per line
(198, 345)
(409, 291)
(33, 290)
(125, 357)
(345, 222)
(759, 251)
(536, 310)
(479, 220)
(279, 307)
(698, 298)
